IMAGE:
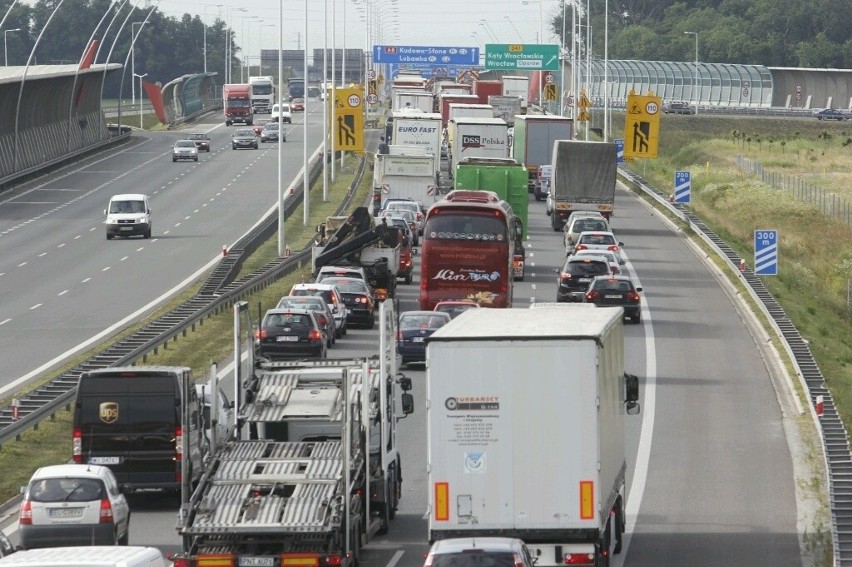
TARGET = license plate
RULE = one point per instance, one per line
(418, 339)
(585, 280)
(256, 561)
(65, 512)
(612, 296)
(126, 228)
(104, 460)
(287, 339)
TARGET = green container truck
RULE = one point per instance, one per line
(508, 179)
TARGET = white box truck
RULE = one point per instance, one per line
(505, 107)
(526, 439)
(465, 110)
(422, 100)
(477, 137)
(519, 87)
(401, 176)
(415, 128)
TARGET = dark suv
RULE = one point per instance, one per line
(616, 291)
(577, 274)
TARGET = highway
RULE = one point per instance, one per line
(710, 472)
(61, 281)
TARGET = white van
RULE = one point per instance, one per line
(88, 556)
(128, 215)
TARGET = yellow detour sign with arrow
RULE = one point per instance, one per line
(584, 104)
(642, 126)
(550, 91)
(347, 132)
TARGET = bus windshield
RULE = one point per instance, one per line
(466, 227)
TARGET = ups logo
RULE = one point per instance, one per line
(109, 412)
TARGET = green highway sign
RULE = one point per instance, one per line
(521, 57)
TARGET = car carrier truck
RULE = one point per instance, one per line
(313, 470)
(521, 444)
(583, 179)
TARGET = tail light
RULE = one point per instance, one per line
(26, 516)
(323, 320)
(593, 295)
(181, 562)
(419, 216)
(314, 335)
(632, 296)
(399, 335)
(106, 512)
(77, 445)
(428, 561)
(582, 247)
(381, 294)
(519, 561)
(579, 559)
(565, 276)
(333, 560)
(261, 333)
(614, 248)
(178, 444)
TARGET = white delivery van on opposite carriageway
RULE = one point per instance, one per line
(87, 556)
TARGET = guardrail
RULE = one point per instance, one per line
(834, 437)
(218, 292)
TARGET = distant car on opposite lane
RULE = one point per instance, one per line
(202, 141)
(184, 149)
(244, 138)
(271, 132)
(829, 114)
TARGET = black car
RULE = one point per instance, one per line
(414, 328)
(358, 298)
(616, 291)
(244, 138)
(291, 333)
(829, 114)
(321, 310)
(202, 141)
(577, 274)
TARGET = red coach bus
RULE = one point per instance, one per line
(467, 250)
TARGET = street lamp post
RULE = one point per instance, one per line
(6, 46)
(540, 40)
(695, 87)
(140, 97)
(133, 36)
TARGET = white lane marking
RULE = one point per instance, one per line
(4, 321)
(123, 259)
(36, 306)
(140, 249)
(61, 293)
(105, 269)
(42, 254)
(60, 245)
(86, 280)
(643, 455)
(395, 559)
(22, 264)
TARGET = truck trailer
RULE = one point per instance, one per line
(236, 102)
(420, 99)
(517, 86)
(532, 144)
(521, 444)
(505, 107)
(583, 179)
(478, 137)
(421, 129)
(405, 176)
(313, 470)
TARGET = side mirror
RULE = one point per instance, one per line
(633, 408)
(631, 387)
(621, 244)
(638, 289)
(105, 212)
(407, 404)
(23, 490)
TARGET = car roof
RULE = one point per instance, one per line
(619, 277)
(129, 197)
(457, 302)
(597, 233)
(455, 545)
(588, 258)
(69, 471)
(422, 313)
(316, 286)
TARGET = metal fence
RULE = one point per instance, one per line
(831, 204)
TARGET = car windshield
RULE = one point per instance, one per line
(244, 133)
(346, 285)
(483, 559)
(66, 490)
(326, 294)
(585, 225)
(184, 144)
(397, 205)
(121, 207)
(597, 239)
(612, 285)
(413, 322)
(454, 309)
(312, 303)
(271, 126)
(198, 136)
(586, 268)
(290, 320)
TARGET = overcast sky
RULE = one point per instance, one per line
(450, 23)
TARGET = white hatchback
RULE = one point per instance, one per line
(73, 505)
(281, 113)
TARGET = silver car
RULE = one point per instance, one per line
(185, 149)
(244, 138)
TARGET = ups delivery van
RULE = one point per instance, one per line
(144, 423)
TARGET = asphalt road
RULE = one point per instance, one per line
(710, 477)
(62, 282)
